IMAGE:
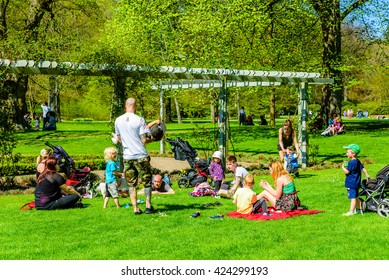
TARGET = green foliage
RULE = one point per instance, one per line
(7, 139)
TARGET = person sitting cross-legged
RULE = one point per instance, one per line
(283, 197)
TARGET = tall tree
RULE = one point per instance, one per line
(332, 13)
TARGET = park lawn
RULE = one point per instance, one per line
(93, 233)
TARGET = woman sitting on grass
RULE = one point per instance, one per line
(48, 194)
(284, 196)
(41, 160)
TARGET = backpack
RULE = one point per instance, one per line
(28, 206)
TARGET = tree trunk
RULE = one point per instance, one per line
(54, 103)
(332, 60)
(179, 120)
(272, 106)
(212, 109)
(331, 18)
(168, 106)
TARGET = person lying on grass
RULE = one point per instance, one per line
(159, 186)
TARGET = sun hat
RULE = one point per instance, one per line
(353, 147)
(217, 154)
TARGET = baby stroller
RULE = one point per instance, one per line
(199, 171)
(79, 179)
(376, 193)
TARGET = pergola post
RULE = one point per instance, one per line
(162, 117)
(223, 120)
(119, 93)
(53, 97)
(302, 128)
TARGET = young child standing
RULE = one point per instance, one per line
(353, 170)
(245, 197)
(216, 170)
(37, 123)
(290, 161)
(111, 177)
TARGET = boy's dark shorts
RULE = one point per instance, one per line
(352, 193)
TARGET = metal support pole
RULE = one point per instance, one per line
(302, 129)
(223, 120)
(119, 92)
(162, 117)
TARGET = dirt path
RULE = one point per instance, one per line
(162, 163)
(168, 164)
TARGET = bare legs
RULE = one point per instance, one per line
(268, 196)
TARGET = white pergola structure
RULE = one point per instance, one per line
(169, 77)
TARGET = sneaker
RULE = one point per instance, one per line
(140, 201)
(195, 214)
(217, 217)
(150, 210)
(349, 213)
(139, 212)
(360, 212)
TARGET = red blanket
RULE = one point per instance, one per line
(274, 215)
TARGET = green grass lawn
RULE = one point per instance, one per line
(94, 233)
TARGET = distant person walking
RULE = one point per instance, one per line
(242, 116)
(45, 110)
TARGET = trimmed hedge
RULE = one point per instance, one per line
(27, 165)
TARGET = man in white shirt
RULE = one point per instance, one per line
(45, 110)
(133, 133)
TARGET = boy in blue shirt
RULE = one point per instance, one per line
(111, 177)
(353, 170)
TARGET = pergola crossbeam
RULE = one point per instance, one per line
(170, 77)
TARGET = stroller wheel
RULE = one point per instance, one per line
(383, 209)
(183, 182)
(363, 205)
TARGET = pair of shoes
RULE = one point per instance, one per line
(349, 213)
(217, 217)
(195, 214)
(360, 212)
(126, 205)
(139, 212)
(150, 210)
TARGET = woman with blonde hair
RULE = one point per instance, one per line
(41, 160)
(284, 196)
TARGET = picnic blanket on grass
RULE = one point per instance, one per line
(274, 215)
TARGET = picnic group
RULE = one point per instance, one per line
(132, 133)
